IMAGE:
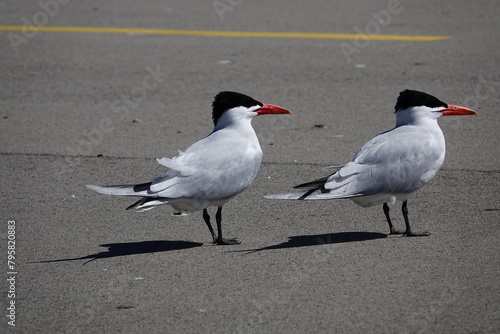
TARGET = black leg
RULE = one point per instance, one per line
(206, 217)
(220, 240)
(409, 232)
(388, 217)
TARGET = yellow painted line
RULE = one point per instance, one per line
(225, 33)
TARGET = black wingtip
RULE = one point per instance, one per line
(309, 192)
(138, 203)
(142, 187)
(316, 184)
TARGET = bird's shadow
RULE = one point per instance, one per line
(321, 239)
(133, 248)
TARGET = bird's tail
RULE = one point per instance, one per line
(312, 194)
(315, 189)
(147, 203)
(123, 190)
(311, 187)
(299, 196)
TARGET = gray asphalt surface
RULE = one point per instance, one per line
(75, 110)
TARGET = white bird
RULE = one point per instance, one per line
(392, 165)
(211, 171)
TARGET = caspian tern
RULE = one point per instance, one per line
(394, 164)
(211, 171)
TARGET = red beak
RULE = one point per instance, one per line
(268, 109)
(454, 110)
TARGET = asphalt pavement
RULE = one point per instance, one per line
(98, 106)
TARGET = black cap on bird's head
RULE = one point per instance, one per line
(413, 98)
(229, 100)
